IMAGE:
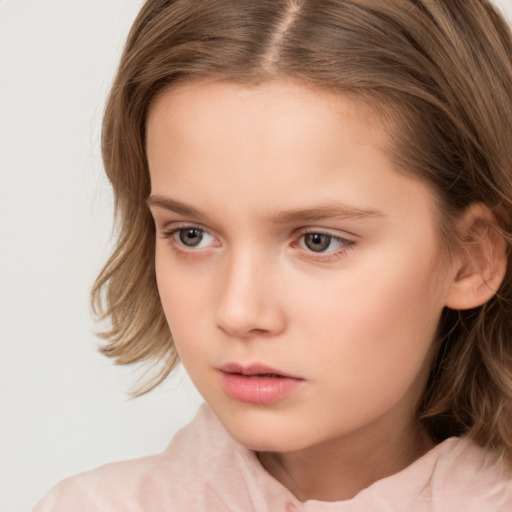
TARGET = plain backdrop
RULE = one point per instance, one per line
(65, 408)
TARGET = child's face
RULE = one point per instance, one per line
(286, 240)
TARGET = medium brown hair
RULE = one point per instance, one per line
(440, 69)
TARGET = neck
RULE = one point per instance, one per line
(339, 469)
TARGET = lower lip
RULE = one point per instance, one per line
(259, 390)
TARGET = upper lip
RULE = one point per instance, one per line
(254, 369)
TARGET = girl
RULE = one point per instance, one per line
(315, 216)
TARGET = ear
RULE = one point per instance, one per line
(480, 263)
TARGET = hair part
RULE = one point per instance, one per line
(438, 73)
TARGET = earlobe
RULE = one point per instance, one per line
(481, 262)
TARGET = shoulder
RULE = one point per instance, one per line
(466, 473)
(167, 481)
(456, 475)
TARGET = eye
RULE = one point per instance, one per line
(322, 242)
(193, 238)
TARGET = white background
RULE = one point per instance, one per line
(64, 406)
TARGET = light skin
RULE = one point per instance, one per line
(285, 237)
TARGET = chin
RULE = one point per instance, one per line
(264, 432)
(266, 442)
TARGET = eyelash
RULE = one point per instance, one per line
(178, 247)
(346, 244)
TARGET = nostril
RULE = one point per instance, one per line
(257, 332)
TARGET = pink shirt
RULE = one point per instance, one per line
(205, 469)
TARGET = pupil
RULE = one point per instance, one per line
(191, 237)
(317, 242)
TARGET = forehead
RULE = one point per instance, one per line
(286, 97)
(280, 114)
(279, 145)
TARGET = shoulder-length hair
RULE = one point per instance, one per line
(440, 71)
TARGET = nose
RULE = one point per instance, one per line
(249, 303)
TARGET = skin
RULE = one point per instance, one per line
(355, 321)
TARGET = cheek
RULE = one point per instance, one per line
(173, 290)
(377, 329)
(374, 301)
(186, 299)
(168, 291)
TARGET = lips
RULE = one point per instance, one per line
(258, 384)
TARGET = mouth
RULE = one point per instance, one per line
(258, 384)
(254, 370)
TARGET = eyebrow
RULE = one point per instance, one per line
(283, 217)
(172, 205)
(336, 211)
